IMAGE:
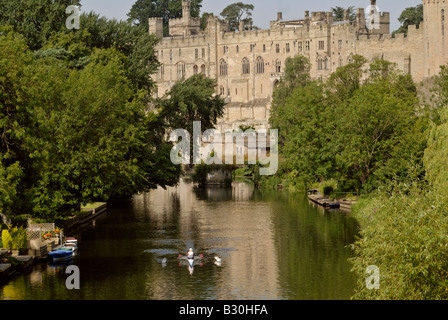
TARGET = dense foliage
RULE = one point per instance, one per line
(403, 223)
(78, 123)
(359, 127)
(410, 16)
(236, 12)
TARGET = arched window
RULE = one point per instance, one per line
(260, 65)
(246, 66)
(222, 67)
(195, 70)
(319, 64)
(350, 59)
(341, 62)
(203, 69)
(180, 70)
(326, 64)
(278, 66)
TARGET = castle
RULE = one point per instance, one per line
(248, 64)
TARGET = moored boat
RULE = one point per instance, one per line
(66, 252)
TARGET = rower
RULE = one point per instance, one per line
(190, 254)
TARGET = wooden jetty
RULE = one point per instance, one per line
(316, 197)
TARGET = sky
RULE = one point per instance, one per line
(264, 11)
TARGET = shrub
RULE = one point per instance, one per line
(6, 239)
(403, 232)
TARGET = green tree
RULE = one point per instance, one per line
(36, 20)
(437, 151)
(204, 18)
(340, 12)
(410, 16)
(190, 100)
(142, 10)
(237, 12)
(374, 121)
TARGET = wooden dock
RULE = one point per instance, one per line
(323, 201)
(316, 197)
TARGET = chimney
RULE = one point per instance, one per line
(279, 16)
(346, 16)
(241, 26)
(330, 18)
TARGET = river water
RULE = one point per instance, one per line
(272, 245)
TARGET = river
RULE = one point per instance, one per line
(272, 245)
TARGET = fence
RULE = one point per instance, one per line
(35, 234)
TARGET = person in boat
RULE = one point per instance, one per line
(190, 254)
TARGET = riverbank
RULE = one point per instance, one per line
(13, 264)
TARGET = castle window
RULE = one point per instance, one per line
(264, 48)
(340, 44)
(326, 64)
(237, 49)
(196, 53)
(319, 64)
(307, 46)
(341, 62)
(260, 65)
(162, 72)
(222, 67)
(225, 49)
(246, 66)
(180, 53)
(278, 66)
(203, 53)
(277, 48)
(203, 69)
(443, 22)
(180, 70)
(221, 90)
(195, 70)
(299, 46)
(321, 45)
(288, 49)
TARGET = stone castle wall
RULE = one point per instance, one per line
(248, 64)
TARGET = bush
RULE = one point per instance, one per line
(6, 239)
(403, 232)
(14, 239)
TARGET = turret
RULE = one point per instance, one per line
(156, 27)
(186, 9)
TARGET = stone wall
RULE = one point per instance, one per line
(247, 65)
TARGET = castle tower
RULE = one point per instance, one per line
(435, 17)
(156, 27)
(186, 10)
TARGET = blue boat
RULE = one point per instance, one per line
(62, 254)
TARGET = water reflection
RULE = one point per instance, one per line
(256, 245)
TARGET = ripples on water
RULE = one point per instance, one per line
(272, 245)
